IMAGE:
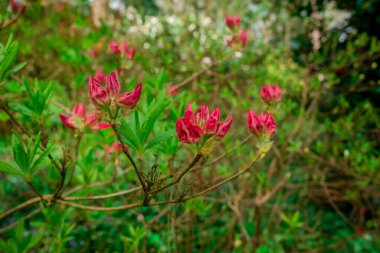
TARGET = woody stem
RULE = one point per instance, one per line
(126, 152)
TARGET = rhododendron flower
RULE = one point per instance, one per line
(223, 128)
(123, 46)
(130, 53)
(172, 90)
(192, 127)
(233, 21)
(243, 37)
(78, 119)
(114, 47)
(262, 125)
(239, 40)
(188, 131)
(16, 6)
(271, 94)
(116, 147)
(101, 97)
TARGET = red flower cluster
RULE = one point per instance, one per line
(101, 96)
(271, 94)
(233, 22)
(79, 120)
(129, 52)
(262, 125)
(238, 38)
(192, 127)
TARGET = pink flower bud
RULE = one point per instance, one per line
(113, 85)
(262, 125)
(223, 129)
(100, 76)
(79, 111)
(98, 94)
(130, 53)
(233, 21)
(116, 148)
(123, 46)
(201, 116)
(271, 94)
(188, 131)
(90, 119)
(100, 126)
(189, 114)
(243, 37)
(130, 99)
(172, 90)
(212, 122)
(114, 47)
(78, 119)
(68, 121)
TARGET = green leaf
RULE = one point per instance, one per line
(6, 168)
(155, 111)
(34, 167)
(160, 138)
(35, 239)
(137, 129)
(33, 151)
(18, 67)
(19, 230)
(129, 135)
(20, 156)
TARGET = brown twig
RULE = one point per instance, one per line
(12, 225)
(126, 152)
(179, 177)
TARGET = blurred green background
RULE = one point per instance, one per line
(325, 161)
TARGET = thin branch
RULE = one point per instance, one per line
(175, 201)
(78, 139)
(35, 190)
(24, 205)
(126, 152)
(106, 196)
(178, 179)
(13, 20)
(12, 225)
(13, 119)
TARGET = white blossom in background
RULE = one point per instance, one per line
(335, 18)
(206, 61)
(117, 5)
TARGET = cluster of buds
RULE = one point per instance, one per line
(271, 94)
(16, 6)
(263, 127)
(110, 99)
(123, 48)
(202, 127)
(238, 38)
(78, 119)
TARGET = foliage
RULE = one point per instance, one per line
(316, 189)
